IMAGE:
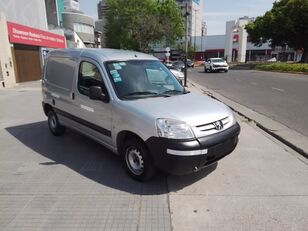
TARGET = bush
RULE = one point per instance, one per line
(283, 67)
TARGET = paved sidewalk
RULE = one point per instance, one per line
(69, 182)
(262, 185)
(73, 183)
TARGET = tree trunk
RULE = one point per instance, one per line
(304, 58)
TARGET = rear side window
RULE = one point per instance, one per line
(60, 71)
(89, 76)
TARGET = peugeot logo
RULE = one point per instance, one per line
(218, 125)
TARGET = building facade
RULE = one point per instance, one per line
(78, 24)
(24, 38)
(194, 9)
(71, 4)
(54, 10)
(64, 17)
(101, 9)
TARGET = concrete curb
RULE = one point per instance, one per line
(289, 137)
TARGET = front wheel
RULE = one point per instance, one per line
(54, 126)
(137, 160)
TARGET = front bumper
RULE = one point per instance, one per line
(181, 157)
(218, 68)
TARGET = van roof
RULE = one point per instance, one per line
(102, 54)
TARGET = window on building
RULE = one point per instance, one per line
(83, 28)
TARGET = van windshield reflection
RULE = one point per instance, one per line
(142, 78)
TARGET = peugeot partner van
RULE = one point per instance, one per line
(132, 104)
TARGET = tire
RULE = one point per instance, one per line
(54, 126)
(137, 160)
(211, 70)
(226, 71)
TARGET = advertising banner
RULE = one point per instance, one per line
(30, 36)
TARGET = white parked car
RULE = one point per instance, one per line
(216, 64)
(178, 74)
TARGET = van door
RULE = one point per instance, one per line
(94, 117)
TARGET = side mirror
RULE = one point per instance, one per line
(96, 93)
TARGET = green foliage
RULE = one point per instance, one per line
(285, 24)
(283, 67)
(136, 24)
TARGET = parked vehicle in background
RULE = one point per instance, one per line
(178, 74)
(190, 63)
(132, 104)
(179, 65)
(168, 64)
(216, 64)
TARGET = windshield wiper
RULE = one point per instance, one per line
(140, 93)
(174, 92)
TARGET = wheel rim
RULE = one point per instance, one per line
(53, 122)
(134, 160)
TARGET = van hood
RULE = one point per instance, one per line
(194, 109)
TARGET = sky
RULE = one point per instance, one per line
(214, 12)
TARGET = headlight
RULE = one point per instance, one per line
(173, 129)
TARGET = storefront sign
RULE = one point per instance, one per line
(30, 36)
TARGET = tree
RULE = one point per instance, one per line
(136, 24)
(285, 24)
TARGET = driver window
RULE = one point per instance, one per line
(89, 76)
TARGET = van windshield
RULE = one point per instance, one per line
(143, 78)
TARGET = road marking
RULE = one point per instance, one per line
(278, 89)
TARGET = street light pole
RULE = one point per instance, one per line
(195, 29)
(186, 44)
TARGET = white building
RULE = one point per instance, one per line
(194, 8)
(71, 4)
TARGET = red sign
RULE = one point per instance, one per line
(236, 38)
(30, 36)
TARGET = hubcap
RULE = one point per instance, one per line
(53, 122)
(134, 160)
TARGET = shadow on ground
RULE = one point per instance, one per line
(92, 160)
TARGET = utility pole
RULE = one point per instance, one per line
(186, 44)
(195, 29)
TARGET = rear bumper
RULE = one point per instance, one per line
(181, 157)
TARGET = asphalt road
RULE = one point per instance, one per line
(282, 97)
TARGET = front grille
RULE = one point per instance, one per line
(210, 126)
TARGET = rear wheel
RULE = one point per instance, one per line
(137, 160)
(54, 126)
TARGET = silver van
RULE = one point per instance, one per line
(132, 104)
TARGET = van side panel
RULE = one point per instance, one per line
(58, 82)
